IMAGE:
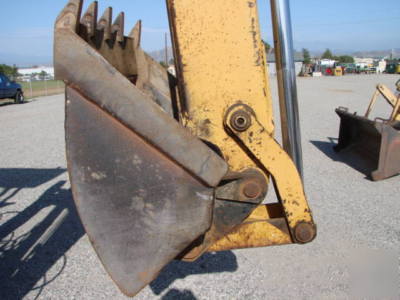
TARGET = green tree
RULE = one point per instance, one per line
(14, 72)
(306, 56)
(346, 59)
(43, 75)
(327, 54)
(163, 64)
(266, 46)
(9, 71)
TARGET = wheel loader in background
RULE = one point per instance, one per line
(165, 167)
(376, 141)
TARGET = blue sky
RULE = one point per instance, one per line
(342, 25)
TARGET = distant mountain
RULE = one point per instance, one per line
(159, 55)
(378, 53)
(362, 54)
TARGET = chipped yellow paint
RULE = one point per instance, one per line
(254, 234)
(220, 63)
(260, 229)
(278, 163)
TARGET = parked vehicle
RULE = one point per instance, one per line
(10, 89)
(393, 68)
(349, 68)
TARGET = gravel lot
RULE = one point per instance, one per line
(44, 253)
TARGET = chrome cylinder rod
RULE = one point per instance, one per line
(286, 75)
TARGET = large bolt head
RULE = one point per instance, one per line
(240, 120)
(305, 232)
(252, 190)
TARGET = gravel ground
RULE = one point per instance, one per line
(44, 253)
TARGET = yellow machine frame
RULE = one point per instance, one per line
(234, 62)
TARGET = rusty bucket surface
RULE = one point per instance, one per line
(376, 142)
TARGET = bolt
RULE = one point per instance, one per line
(304, 232)
(240, 120)
(252, 190)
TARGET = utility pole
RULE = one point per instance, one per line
(166, 50)
(30, 85)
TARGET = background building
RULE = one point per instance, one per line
(36, 73)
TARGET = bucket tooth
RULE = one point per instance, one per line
(105, 23)
(70, 15)
(118, 27)
(89, 19)
(136, 33)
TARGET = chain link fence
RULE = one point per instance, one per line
(41, 88)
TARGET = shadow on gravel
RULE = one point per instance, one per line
(14, 180)
(218, 262)
(350, 158)
(11, 102)
(34, 241)
(6, 103)
(180, 295)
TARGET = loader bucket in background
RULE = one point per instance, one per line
(377, 143)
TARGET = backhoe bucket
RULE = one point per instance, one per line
(376, 142)
(142, 184)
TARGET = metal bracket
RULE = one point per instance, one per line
(268, 153)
